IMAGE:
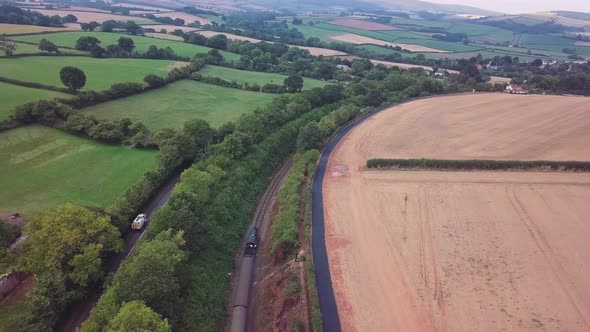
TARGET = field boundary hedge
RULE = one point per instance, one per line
(35, 85)
(480, 164)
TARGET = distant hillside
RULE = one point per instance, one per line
(417, 5)
(407, 5)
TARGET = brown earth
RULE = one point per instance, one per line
(11, 29)
(462, 251)
(169, 27)
(358, 39)
(364, 25)
(188, 18)
(312, 50)
(85, 17)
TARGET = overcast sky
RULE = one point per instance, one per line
(523, 6)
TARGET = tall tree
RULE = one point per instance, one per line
(126, 44)
(135, 316)
(72, 77)
(47, 46)
(293, 83)
(7, 46)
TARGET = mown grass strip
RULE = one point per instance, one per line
(480, 164)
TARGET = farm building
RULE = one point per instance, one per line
(515, 89)
(344, 68)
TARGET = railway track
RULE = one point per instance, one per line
(243, 292)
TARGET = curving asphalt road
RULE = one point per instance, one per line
(80, 311)
(328, 306)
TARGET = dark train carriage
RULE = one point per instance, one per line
(251, 242)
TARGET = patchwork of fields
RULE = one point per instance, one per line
(42, 167)
(171, 106)
(141, 43)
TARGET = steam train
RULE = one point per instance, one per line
(242, 298)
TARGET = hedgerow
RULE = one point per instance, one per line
(479, 164)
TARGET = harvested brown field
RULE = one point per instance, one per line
(359, 40)
(317, 51)
(462, 251)
(232, 36)
(85, 17)
(397, 64)
(13, 29)
(188, 18)
(364, 25)
(163, 36)
(169, 27)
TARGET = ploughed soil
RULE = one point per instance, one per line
(358, 39)
(462, 251)
(364, 25)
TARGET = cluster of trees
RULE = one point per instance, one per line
(130, 27)
(66, 248)
(123, 49)
(14, 15)
(165, 19)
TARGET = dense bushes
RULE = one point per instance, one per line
(148, 276)
(480, 164)
(284, 229)
(65, 249)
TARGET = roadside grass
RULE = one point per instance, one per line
(42, 167)
(178, 102)
(13, 95)
(261, 78)
(100, 73)
(109, 38)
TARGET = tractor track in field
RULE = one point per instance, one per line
(79, 312)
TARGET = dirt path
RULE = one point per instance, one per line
(79, 312)
(462, 251)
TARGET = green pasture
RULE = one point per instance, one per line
(13, 95)
(261, 78)
(42, 167)
(178, 102)
(109, 38)
(22, 48)
(100, 73)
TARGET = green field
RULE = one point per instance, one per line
(178, 102)
(324, 31)
(100, 73)
(13, 95)
(41, 167)
(22, 48)
(108, 38)
(261, 78)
